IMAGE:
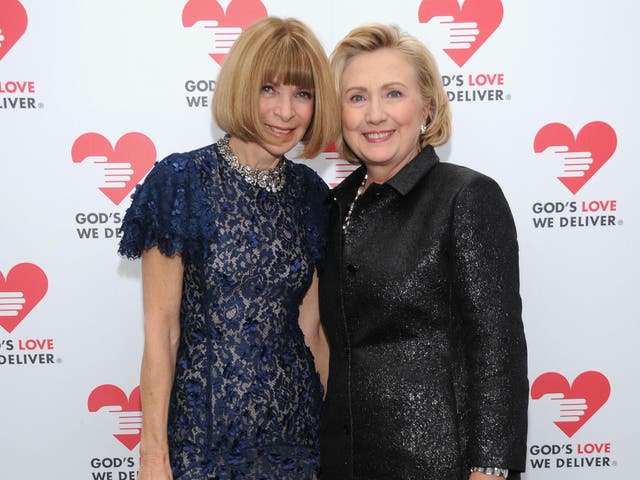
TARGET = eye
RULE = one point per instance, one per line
(266, 88)
(306, 94)
(395, 94)
(357, 98)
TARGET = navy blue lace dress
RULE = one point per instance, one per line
(246, 398)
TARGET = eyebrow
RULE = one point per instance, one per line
(394, 84)
(384, 86)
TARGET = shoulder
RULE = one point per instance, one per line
(461, 191)
(477, 199)
(181, 166)
(176, 180)
(310, 178)
(460, 176)
(313, 192)
(464, 183)
(170, 209)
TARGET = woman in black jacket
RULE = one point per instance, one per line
(419, 296)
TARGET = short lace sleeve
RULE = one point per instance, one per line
(165, 211)
(316, 210)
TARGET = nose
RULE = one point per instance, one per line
(284, 108)
(375, 111)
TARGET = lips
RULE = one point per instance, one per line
(378, 136)
(279, 131)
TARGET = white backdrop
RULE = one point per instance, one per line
(83, 82)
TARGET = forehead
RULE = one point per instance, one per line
(380, 67)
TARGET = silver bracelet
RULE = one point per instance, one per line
(494, 471)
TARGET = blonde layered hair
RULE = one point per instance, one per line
(275, 50)
(372, 37)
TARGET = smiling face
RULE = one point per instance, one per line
(382, 109)
(286, 112)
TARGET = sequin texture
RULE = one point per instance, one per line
(421, 307)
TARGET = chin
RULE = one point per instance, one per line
(279, 150)
(376, 158)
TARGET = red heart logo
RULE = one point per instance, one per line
(598, 138)
(591, 386)
(486, 13)
(240, 13)
(113, 396)
(133, 148)
(20, 291)
(13, 23)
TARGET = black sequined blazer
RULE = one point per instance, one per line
(420, 304)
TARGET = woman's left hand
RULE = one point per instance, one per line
(483, 476)
(314, 337)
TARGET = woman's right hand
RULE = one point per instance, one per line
(154, 467)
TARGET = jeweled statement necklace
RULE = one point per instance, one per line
(360, 191)
(271, 180)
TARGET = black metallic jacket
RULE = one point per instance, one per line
(420, 303)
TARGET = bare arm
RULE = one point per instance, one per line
(162, 291)
(311, 327)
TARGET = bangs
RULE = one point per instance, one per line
(288, 64)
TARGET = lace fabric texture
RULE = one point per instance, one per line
(246, 398)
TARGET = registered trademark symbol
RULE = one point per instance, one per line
(58, 360)
(40, 105)
(614, 463)
(620, 222)
(507, 96)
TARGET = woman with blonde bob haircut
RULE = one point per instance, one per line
(230, 237)
(282, 50)
(375, 37)
(419, 295)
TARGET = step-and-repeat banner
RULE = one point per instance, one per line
(92, 87)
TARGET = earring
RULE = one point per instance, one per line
(423, 129)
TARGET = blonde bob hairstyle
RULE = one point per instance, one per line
(275, 50)
(372, 37)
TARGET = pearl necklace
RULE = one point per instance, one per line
(360, 191)
(271, 180)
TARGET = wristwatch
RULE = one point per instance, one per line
(494, 471)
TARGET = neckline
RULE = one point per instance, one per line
(272, 180)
